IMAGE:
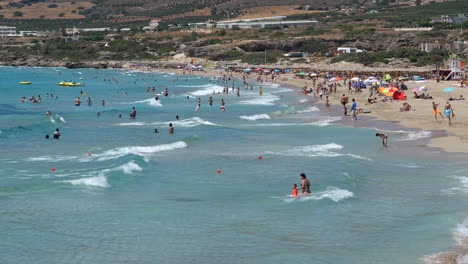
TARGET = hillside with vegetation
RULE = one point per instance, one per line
(341, 23)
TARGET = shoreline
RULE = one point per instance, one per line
(453, 138)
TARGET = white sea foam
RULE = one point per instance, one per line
(130, 167)
(261, 100)
(134, 124)
(303, 100)
(190, 122)
(309, 109)
(139, 150)
(143, 151)
(462, 186)
(316, 151)
(208, 89)
(97, 181)
(255, 117)
(460, 235)
(57, 118)
(332, 193)
(150, 101)
(416, 135)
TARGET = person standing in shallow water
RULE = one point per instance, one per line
(171, 128)
(305, 184)
(384, 138)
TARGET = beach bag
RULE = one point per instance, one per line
(453, 114)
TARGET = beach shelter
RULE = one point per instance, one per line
(418, 78)
(313, 75)
(277, 70)
(421, 89)
(355, 79)
(387, 77)
(247, 70)
(302, 73)
(388, 91)
(335, 79)
(258, 69)
(399, 95)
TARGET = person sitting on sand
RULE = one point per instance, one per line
(384, 138)
(426, 96)
(406, 108)
(371, 100)
(457, 99)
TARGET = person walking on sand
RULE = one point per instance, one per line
(436, 110)
(449, 112)
(384, 138)
(354, 109)
(344, 101)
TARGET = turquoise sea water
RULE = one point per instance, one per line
(142, 197)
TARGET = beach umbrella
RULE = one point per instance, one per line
(302, 73)
(335, 79)
(247, 70)
(355, 79)
(286, 70)
(449, 89)
(277, 70)
(388, 91)
(313, 75)
(421, 89)
(259, 69)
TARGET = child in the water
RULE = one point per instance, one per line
(294, 190)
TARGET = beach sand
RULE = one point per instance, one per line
(455, 139)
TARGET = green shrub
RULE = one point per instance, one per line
(52, 6)
(17, 14)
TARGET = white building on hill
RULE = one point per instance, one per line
(7, 32)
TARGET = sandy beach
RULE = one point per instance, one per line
(455, 139)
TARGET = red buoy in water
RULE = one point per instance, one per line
(219, 171)
(89, 154)
(260, 157)
(53, 169)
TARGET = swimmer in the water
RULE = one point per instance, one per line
(171, 129)
(294, 190)
(56, 134)
(48, 113)
(77, 101)
(156, 131)
(176, 117)
(211, 101)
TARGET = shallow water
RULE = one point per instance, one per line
(122, 194)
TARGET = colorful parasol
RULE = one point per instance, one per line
(388, 91)
(335, 79)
